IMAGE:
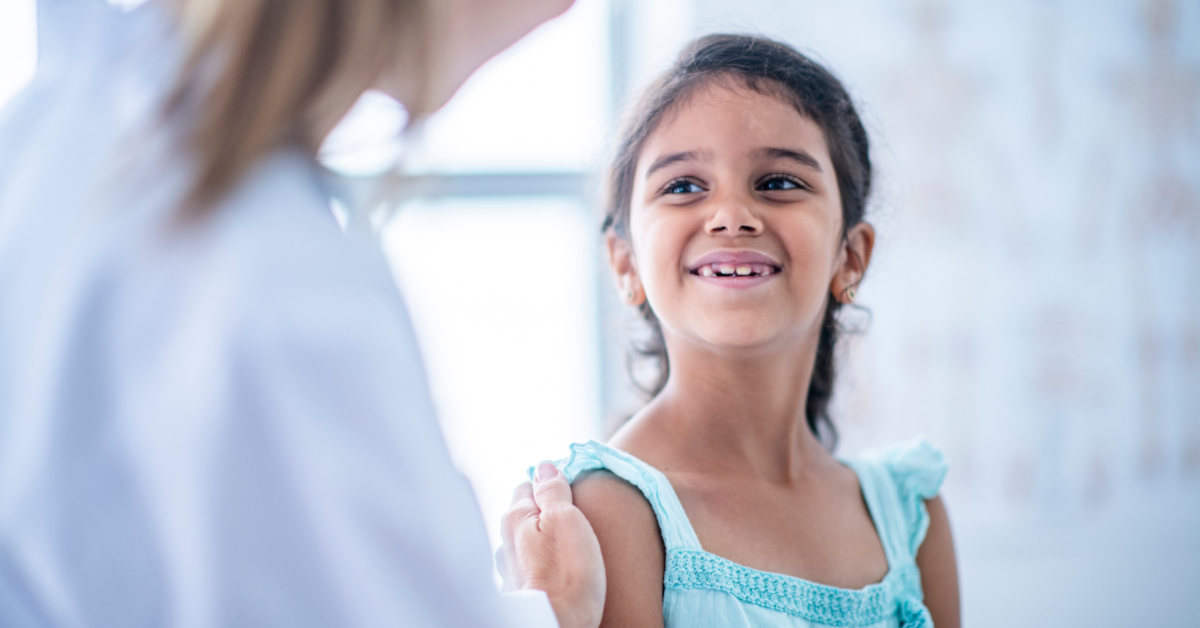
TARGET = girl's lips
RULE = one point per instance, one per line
(734, 258)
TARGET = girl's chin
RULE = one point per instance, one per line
(770, 328)
(738, 339)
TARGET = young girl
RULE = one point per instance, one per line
(735, 225)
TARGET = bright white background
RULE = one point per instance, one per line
(18, 45)
(1035, 298)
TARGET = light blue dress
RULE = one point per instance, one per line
(702, 589)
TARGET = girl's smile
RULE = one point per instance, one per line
(736, 269)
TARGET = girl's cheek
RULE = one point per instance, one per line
(812, 261)
(657, 245)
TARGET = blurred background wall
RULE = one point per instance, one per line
(1034, 302)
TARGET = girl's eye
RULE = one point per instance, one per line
(681, 186)
(780, 182)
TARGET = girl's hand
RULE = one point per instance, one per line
(549, 545)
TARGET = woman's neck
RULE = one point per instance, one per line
(738, 411)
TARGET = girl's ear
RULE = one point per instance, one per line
(853, 261)
(620, 258)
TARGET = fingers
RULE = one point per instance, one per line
(522, 497)
(552, 491)
(508, 583)
(521, 508)
(528, 501)
(545, 471)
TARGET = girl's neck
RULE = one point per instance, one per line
(738, 412)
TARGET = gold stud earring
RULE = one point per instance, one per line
(849, 295)
(629, 295)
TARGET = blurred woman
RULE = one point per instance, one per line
(212, 408)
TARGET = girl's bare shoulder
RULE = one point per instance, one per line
(939, 567)
(617, 508)
(630, 542)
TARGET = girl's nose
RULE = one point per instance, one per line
(733, 217)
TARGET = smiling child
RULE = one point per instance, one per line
(735, 225)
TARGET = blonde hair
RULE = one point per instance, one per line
(261, 74)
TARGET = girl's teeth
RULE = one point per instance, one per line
(725, 270)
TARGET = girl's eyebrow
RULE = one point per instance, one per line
(798, 156)
(666, 160)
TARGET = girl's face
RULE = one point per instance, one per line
(736, 224)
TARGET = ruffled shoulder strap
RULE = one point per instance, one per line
(896, 481)
(676, 530)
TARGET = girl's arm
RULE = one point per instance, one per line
(939, 570)
(631, 544)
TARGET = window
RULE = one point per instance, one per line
(495, 244)
(18, 46)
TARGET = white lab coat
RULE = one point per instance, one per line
(221, 425)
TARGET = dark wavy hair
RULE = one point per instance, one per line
(771, 68)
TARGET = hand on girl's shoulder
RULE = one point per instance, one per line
(634, 557)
